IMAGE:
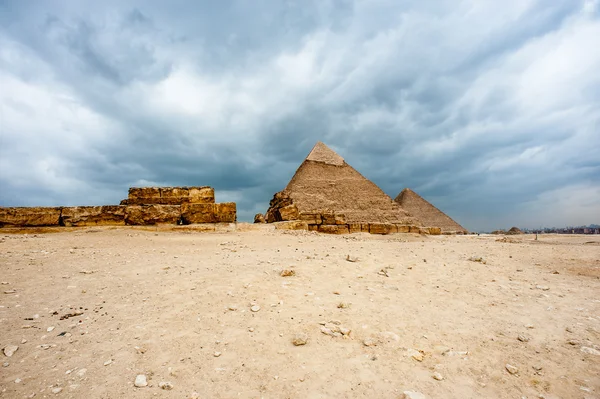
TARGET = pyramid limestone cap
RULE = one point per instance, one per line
(322, 153)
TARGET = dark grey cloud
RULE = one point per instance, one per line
(491, 111)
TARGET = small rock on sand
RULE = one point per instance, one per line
(437, 376)
(412, 395)
(140, 381)
(166, 385)
(511, 369)
(300, 339)
(56, 390)
(288, 273)
(9, 350)
(523, 338)
(590, 351)
(255, 308)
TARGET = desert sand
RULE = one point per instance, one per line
(90, 309)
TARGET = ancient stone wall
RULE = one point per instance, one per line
(144, 206)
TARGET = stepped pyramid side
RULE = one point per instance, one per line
(423, 210)
(324, 182)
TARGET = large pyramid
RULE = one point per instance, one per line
(420, 208)
(324, 183)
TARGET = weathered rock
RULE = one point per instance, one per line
(339, 218)
(56, 390)
(300, 339)
(226, 212)
(255, 308)
(170, 195)
(201, 195)
(437, 376)
(328, 217)
(29, 216)
(414, 229)
(288, 273)
(311, 218)
(166, 385)
(313, 227)
(412, 395)
(511, 369)
(259, 218)
(198, 213)
(590, 351)
(10, 350)
(140, 381)
(289, 212)
(435, 231)
(291, 225)
(333, 229)
(403, 228)
(354, 228)
(142, 215)
(93, 215)
(382, 228)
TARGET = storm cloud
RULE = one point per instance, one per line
(491, 110)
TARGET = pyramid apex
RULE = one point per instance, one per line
(324, 154)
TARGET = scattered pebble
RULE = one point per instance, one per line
(288, 273)
(300, 339)
(255, 308)
(57, 390)
(523, 338)
(217, 354)
(573, 342)
(590, 351)
(5, 364)
(140, 381)
(437, 376)
(417, 355)
(49, 329)
(542, 287)
(233, 308)
(511, 369)
(9, 350)
(106, 363)
(167, 386)
(351, 258)
(81, 372)
(412, 395)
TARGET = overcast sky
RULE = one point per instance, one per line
(489, 109)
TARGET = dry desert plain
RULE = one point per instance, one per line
(209, 315)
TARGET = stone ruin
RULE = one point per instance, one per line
(144, 206)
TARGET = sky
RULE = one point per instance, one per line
(490, 110)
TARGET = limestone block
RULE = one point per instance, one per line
(328, 217)
(333, 229)
(339, 218)
(435, 231)
(152, 214)
(382, 228)
(143, 195)
(311, 218)
(291, 225)
(226, 212)
(313, 227)
(403, 228)
(198, 213)
(415, 229)
(30, 216)
(201, 195)
(364, 227)
(354, 228)
(93, 215)
(289, 212)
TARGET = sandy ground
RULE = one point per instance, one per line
(176, 307)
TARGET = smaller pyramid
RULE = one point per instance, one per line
(431, 216)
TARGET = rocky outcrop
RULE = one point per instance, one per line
(29, 216)
(514, 231)
(141, 215)
(259, 218)
(106, 215)
(170, 195)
